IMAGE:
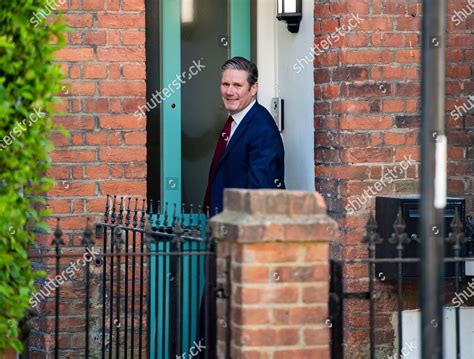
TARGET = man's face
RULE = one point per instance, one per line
(235, 90)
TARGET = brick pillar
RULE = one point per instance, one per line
(275, 245)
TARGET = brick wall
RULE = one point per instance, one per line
(104, 63)
(367, 119)
(104, 66)
(276, 246)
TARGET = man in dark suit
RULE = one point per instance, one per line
(249, 152)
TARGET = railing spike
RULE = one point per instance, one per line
(457, 236)
(372, 237)
(127, 217)
(114, 207)
(143, 214)
(191, 217)
(400, 237)
(106, 211)
(58, 234)
(120, 219)
(165, 222)
(158, 214)
(174, 215)
(135, 214)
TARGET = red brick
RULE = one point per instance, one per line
(134, 72)
(78, 20)
(394, 138)
(58, 172)
(113, 37)
(83, 88)
(393, 106)
(393, 73)
(121, 122)
(74, 55)
(135, 138)
(267, 253)
(251, 316)
(251, 274)
(135, 171)
(274, 293)
(59, 206)
(95, 205)
(72, 189)
(121, 55)
(75, 38)
(267, 337)
(92, 5)
(112, 5)
(115, 72)
(393, 39)
(124, 188)
(116, 171)
(115, 105)
(95, 105)
(71, 155)
(130, 105)
(59, 140)
(316, 294)
(131, 37)
(95, 71)
(316, 336)
(115, 138)
(120, 21)
(122, 88)
(101, 171)
(77, 139)
(366, 122)
(375, 23)
(133, 5)
(127, 154)
(407, 56)
(96, 138)
(95, 37)
(408, 23)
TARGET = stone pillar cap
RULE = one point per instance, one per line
(273, 216)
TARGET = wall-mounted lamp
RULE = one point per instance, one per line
(290, 12)
(187, 11)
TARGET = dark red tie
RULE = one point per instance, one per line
(220, 148)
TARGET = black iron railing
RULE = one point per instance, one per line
(377, 282)
(143, 287)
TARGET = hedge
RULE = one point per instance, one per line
(28, 83)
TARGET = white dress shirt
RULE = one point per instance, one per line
(238, 117)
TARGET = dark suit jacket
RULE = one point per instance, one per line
(254, 157)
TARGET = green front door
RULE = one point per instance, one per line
(197, 36)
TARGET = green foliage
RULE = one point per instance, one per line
(28, 82)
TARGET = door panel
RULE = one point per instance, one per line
(204, 40)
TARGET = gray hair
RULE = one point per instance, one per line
(241, 63)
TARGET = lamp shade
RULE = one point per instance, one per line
(290, 11)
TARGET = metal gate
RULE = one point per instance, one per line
(143, 288)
